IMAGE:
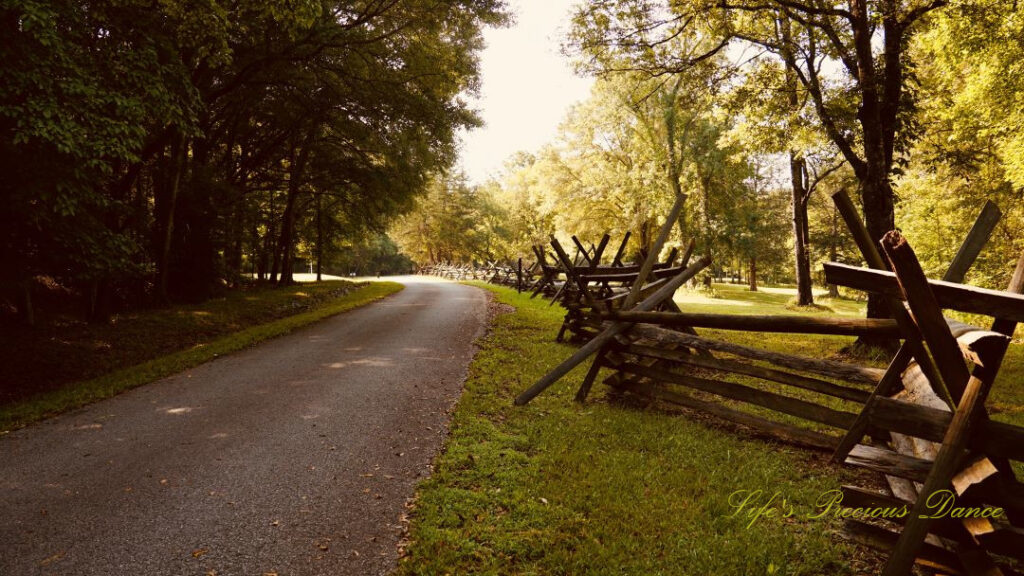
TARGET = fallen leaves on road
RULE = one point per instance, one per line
(199, 552)
(51, 559)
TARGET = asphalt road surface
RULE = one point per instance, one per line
(294, 457)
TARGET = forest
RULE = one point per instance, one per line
(163, 155)
(756, 112)
(158, 153)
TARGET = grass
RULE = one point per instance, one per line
(610, 488)
(559, 488)
(199, 333)
(736, 299)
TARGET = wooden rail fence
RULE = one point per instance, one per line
(921, 422)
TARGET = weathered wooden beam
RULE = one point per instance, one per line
(749, 323)
(772, 401)
(588, 380)
(617, 261)
(599, 251)
(975, 241)
(619, 276)
(858, 231)
(1002, 324)
(583, 251)
(771, 428)
(889, 462)
(688, 253)
(617, 273)
(928, 316)
(828, 368)
(1006, 543)
(889, 384)
(940, 559)
(949, 295)
(737, 367)
(996, 439)
(875, 260)
(970, 396)
(962, 262)
(609, 333)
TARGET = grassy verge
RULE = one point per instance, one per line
(73, 395)
(559, 488)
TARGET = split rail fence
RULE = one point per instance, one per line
(921, 422)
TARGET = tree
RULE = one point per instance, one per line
(453, 222)
(971, 100)
(155, 149)
(852, 61)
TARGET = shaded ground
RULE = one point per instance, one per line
(293, 457)
(63, 348)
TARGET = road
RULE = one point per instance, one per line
(294, 457)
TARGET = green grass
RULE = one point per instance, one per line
(559, 488)
(610, 488)
(174, 325)
(737, 299)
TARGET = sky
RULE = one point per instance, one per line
(527, 87)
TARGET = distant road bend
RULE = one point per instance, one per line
(295, 457)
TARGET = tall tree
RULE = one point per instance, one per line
(852, 60)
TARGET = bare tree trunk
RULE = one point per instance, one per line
(753, 274)
(833, 290)
(802, 262)
(798, 178)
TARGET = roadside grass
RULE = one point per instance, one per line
(604, 488)
(193, 335)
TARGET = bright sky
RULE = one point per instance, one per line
(527, 87)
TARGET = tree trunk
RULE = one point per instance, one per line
(802, 262)
(26, 311)
(319, 238)
(269, 245)
(875, 185)
(100, 300)
(164, 206)
(752, 277)
(236, 238)
(879, 218)
(287, 239)
(287, 243)
(833, 248)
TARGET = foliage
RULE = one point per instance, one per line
(373, 254)
(972, 152)
(157, 151)
(453, 222)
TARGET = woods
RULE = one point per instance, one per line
(154, 154)
(757, 112)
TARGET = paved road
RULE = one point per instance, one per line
(294, 457)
